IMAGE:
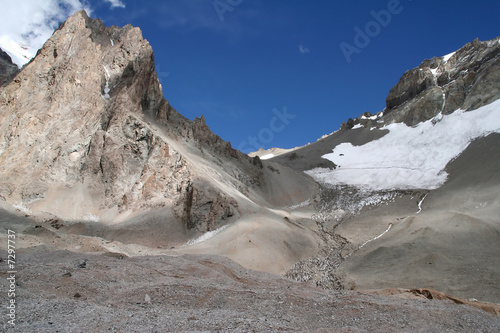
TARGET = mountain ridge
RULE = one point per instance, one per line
(466, 78)
(106, 145)
(95, 162)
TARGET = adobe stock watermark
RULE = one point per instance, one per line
(223, 6)
(11, 305)
(363, 37)
(266, 135)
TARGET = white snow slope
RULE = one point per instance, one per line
(409, 157)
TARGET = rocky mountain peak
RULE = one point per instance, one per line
(464, 79)
(86, 131)
(57, 108)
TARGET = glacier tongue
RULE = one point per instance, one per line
(409, 157)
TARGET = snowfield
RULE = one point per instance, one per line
(409, 157)
(266, 157)
(206, 236)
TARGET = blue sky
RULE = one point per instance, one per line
(273, 73)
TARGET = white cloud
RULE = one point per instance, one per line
(116, 3)
(26, 25)
(303, 49)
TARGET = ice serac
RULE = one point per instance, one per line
(85, 131)
(466, 79)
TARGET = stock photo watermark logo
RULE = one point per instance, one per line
(223, 6)
(266, 135)
(363, 37)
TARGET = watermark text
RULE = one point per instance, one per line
(276, 124)
(11, 278)
(363, 37)
(223, 6)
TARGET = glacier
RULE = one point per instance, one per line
(409, 157)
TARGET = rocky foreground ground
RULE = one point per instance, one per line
(70, 292)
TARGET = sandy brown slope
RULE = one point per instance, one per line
(134, 288)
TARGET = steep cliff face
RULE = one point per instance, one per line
(74, 115)
(85, 133)
(466, 79)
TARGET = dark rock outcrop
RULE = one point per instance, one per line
(467, 79)
(7, 69)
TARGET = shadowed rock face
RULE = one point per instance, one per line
(7, 69)
(84, 128)
(468, 79)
